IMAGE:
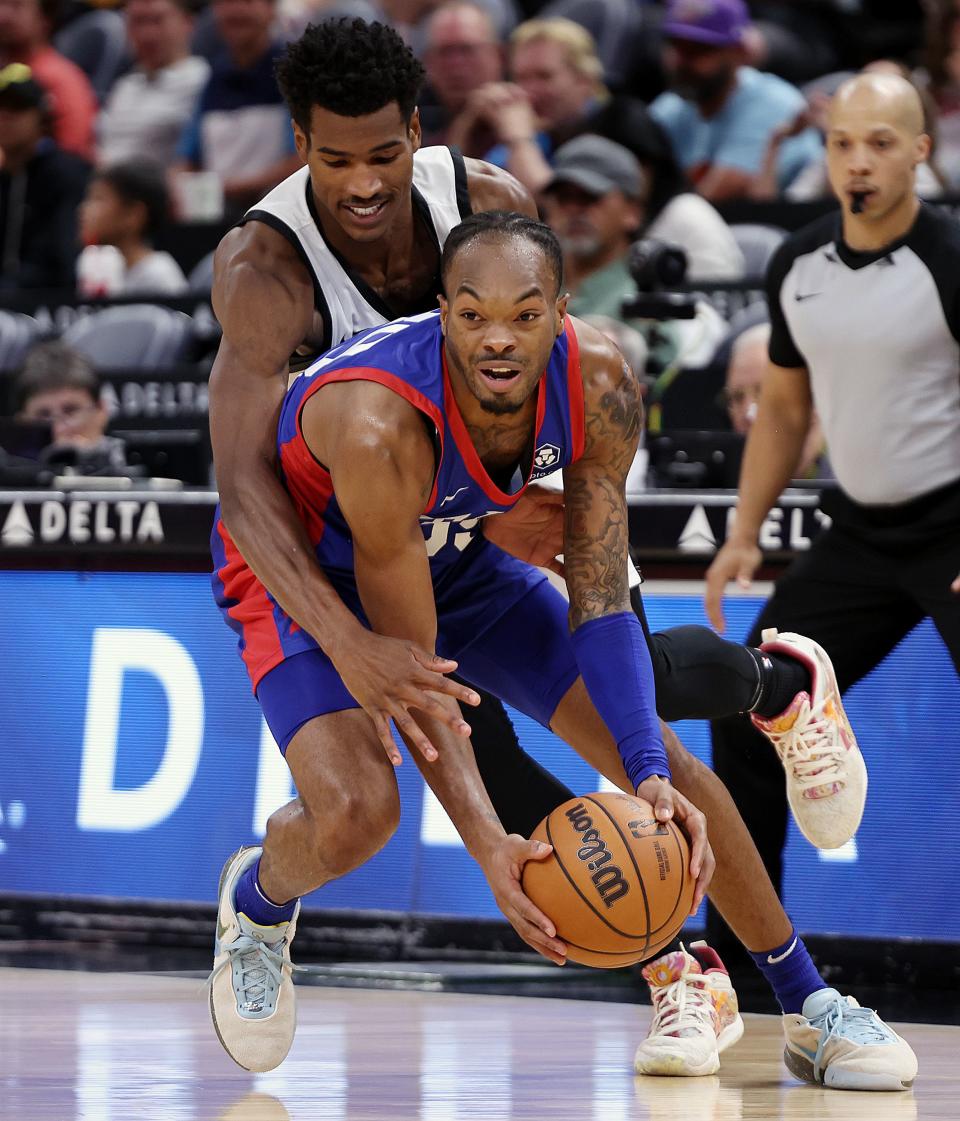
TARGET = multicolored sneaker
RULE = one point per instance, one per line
(252, 999)
(836, 1043)
(826, 774)
(695, 1014)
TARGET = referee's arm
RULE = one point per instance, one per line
(771, 455)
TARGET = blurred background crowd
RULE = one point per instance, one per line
(669, 144)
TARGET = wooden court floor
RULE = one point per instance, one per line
(139, 1047)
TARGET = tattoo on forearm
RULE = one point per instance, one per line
(596, 534)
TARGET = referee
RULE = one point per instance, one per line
(865, 316)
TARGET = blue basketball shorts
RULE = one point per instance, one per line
(499, 618)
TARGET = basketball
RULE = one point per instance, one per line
(617, 884)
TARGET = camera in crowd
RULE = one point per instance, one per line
(658, 269)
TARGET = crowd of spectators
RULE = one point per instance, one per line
(629, 120)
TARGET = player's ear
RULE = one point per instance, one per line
(562, 302)
(444, 311)
(301, 140)
(922, 146)
(414, 131)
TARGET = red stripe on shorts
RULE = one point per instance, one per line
(253, 610)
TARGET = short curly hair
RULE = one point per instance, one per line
(492, 225)
(349, 67)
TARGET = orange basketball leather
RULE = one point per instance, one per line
(618, 884)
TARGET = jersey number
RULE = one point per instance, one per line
(367, 340)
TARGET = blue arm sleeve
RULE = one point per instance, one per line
(614, 661)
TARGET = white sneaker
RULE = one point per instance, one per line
(826, 774)
(252, 999)
(838, 1044)
(695, 1014)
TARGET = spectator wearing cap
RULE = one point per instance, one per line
(720, 113)
(148, 108)
(25, 27)
(679, 217)
(126, 206)
(40, 189)
(594, 204)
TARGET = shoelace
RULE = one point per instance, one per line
(258, 961)
(683, 999)
(811, 748)
(861, 1025)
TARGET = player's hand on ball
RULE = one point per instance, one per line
(736, 560)
(389, 677)
(532, 530)
(670, 803)
(503, 870)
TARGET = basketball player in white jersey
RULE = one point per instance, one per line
(349, 241)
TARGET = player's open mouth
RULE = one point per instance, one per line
(499, 378)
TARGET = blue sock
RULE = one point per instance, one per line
(250, 898)
(791, 972)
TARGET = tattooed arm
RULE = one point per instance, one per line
(595, 531)
(608, 640)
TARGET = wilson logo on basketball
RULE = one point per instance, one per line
(607, 878)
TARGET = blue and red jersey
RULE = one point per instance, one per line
(406, 356)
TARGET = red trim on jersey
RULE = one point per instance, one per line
(468, 452)
(262, 650)
(390, 381)
(309, 485)
(574, 391)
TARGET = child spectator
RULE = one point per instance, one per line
(126, 206)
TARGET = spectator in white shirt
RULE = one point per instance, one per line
(126, 206)
(148, 108)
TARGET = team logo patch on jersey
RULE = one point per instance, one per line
(546, 456)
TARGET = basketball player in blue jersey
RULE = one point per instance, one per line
(353, 240)
(394, 449)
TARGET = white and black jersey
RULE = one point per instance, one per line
(343, 300)
(879, 334)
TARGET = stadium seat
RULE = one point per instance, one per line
(758, 244)
(743, 320)
(97, 42)
(132, 337)
(18, 332)
(750, 316)
(200, 279)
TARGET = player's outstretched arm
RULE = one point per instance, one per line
(609, 643)
(264, 301)
(382, 465)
